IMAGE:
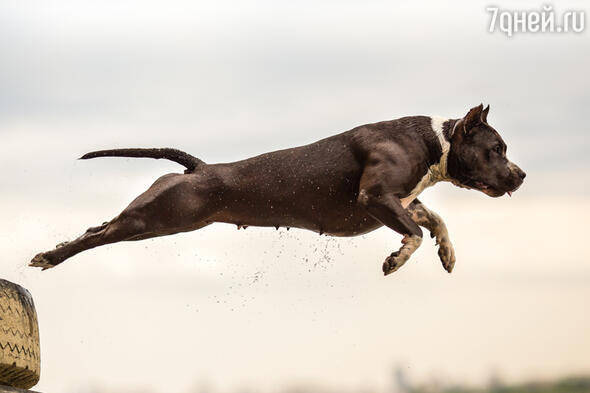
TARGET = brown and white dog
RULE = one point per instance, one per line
(345, 185)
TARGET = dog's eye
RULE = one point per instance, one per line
(498, 149)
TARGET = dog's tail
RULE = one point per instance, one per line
(188, 161)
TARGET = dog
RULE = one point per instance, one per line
(344, 185)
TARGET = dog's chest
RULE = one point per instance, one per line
(426, 181)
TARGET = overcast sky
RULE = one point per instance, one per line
(226, 80)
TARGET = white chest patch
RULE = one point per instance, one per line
(437, 172)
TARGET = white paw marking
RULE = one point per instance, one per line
(446, 252)
(397, 259)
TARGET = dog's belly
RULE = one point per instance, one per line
(351, 222)
(335, 213)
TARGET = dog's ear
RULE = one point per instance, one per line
(484, 114)
(472, 118)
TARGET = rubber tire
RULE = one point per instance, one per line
(20, 364)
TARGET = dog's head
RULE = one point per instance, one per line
(477, 156)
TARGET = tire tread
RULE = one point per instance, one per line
(19, 337)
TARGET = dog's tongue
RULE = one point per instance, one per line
(509, 193)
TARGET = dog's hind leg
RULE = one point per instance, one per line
(425, 217)
(110, 233)
(174, 203)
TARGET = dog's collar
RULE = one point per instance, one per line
(443, 130)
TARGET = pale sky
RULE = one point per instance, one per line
(266, 309)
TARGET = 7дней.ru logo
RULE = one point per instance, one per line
(533, 21)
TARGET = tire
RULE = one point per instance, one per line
(19, 337)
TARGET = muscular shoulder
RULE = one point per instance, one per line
(404, 135)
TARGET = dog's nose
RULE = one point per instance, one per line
(515, 170)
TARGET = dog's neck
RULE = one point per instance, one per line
(443, 129)
(440, 171)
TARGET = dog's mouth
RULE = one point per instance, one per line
(487, 189)
(492, 191)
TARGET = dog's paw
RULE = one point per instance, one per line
(41, 261)
(446, 253)
(392, 263)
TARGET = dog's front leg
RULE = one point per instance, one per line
(389, 210)
(425, 217)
